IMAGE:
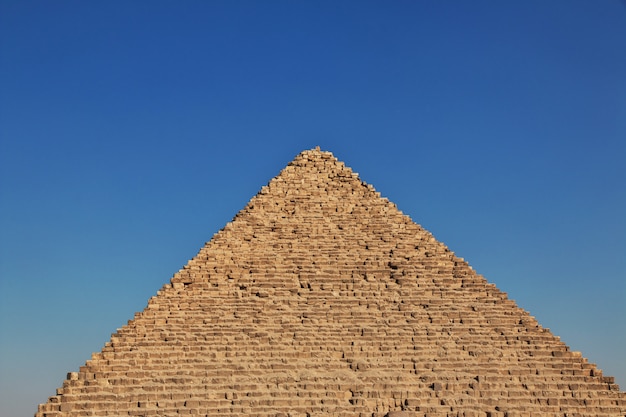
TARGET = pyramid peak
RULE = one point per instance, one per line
(317, 152)
(317, 161)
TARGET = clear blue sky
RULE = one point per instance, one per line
(130, 132)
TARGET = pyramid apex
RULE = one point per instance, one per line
(318, 151)
(314, 154)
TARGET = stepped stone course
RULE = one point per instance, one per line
(322, 298)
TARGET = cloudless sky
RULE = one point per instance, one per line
(132, 131)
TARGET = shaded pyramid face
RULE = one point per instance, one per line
(322, 298)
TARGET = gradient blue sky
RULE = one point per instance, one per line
(130, 132)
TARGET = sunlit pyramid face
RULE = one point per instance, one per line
(322, 298)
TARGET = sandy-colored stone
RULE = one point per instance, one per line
(322, 298)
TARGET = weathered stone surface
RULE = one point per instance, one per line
(322, 298)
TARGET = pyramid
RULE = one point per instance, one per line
(322, 298)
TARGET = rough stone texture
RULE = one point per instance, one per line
(322, 298)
